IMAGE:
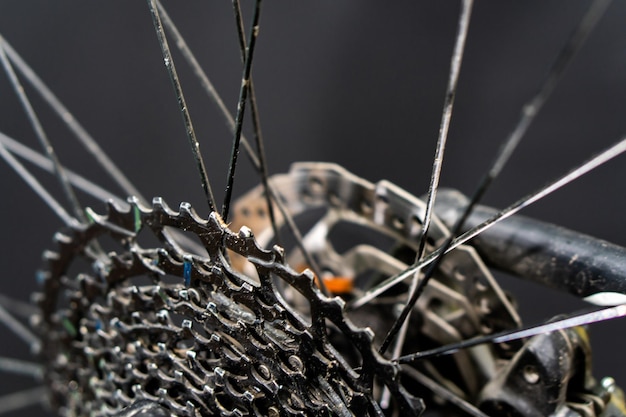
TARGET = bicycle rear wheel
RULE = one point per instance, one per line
(361, 86)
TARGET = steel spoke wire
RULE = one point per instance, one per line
(241, 108)
(205, 82)
(36, 186)
(74, 126)
(21, 367)
(251, 94)
(605, 156)
(210, 90)
(58, 169)
(17, 307)
(446, 116)
(256, 124)
(270, 197)
(22, 399)
(483, 186)
(189, 130)
(44, 163)
(19, 329)
(573, 320)
(528, 114)
(41, 135)
(443, 392)
(385, 400)
(189, 57)
(84, 138)
(81, 183)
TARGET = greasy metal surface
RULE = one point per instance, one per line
(214, 342)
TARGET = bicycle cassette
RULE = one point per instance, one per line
(188, 331)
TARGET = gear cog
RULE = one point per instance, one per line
(185, 329)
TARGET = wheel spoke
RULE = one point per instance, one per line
(79, 132)
(230, 121)
(191, 134)
(17, 307)
(398, 345)
(256, 125)
(573, 320)
(44, 163)
(36, 186)
(605, 156)
(424, 266)
(446, 115)
(443, 392)
(529, 112)
(41, 135)
(22, 399)
(193, 63)
(241, 108)
(455, 67)
(19, 329)
(20, 367)
(76, 180)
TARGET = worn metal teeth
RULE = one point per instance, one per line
(191, 332)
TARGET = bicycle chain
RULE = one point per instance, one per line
(214, 341)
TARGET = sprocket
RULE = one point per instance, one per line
(185, 329)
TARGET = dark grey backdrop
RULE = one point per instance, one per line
(358, 83)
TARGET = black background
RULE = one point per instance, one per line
(357, 83)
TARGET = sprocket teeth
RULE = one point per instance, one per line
(50, 256)
(159, 206)
(245, 232)
(126, 308)
(279, 253)
(113, 208)
(62, 238)
(187, 211)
